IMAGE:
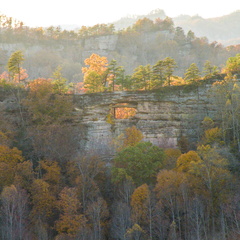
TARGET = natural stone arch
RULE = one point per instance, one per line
(124, 110)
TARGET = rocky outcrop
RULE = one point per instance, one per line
(163, 117)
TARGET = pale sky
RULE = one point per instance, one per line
(57, 12)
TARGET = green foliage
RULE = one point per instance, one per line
(93, 82)
(210, 70)
(179, 35)
(60, 85)
(140, 162)
(14, 63)
(110, 119)
(233, 64)
(141, 77)
(192, 73)
(96, 30)
(226, 96)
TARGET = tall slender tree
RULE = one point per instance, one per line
(14, 64)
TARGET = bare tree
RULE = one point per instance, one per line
(14, 213)
(121, 220)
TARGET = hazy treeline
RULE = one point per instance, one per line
(145, 42)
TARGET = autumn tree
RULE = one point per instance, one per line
(46, 105)
(135, 232)
(95, 76)
(139, 203)
(44, 208)
(171, 156)
(7, 132)
(142, 212)
(70, 221)
(172, 191)
(15, 79)
(212, 136)
(208, 169)
(132, 136)
(9, 159)
(187, 161)
(50, 172)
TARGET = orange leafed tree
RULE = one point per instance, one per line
(95, 76)
(45, 104)
(41, 86)
(96, 63)
(17, 78)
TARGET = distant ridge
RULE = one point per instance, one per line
(224, 29)
(127, 21)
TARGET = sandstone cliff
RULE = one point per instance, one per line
(163, 116)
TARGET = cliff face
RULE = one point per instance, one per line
(161, 116)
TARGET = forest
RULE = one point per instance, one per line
(51, 189)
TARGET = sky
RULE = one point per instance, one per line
(43, 13)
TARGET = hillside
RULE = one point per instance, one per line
(223, 29)
(144, 156)
(145, 42)
(54, 176)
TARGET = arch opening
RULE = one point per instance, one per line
(123, 111)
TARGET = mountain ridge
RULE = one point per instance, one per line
(223, 29)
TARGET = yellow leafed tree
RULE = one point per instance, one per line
(140, 204)
(70, 220)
